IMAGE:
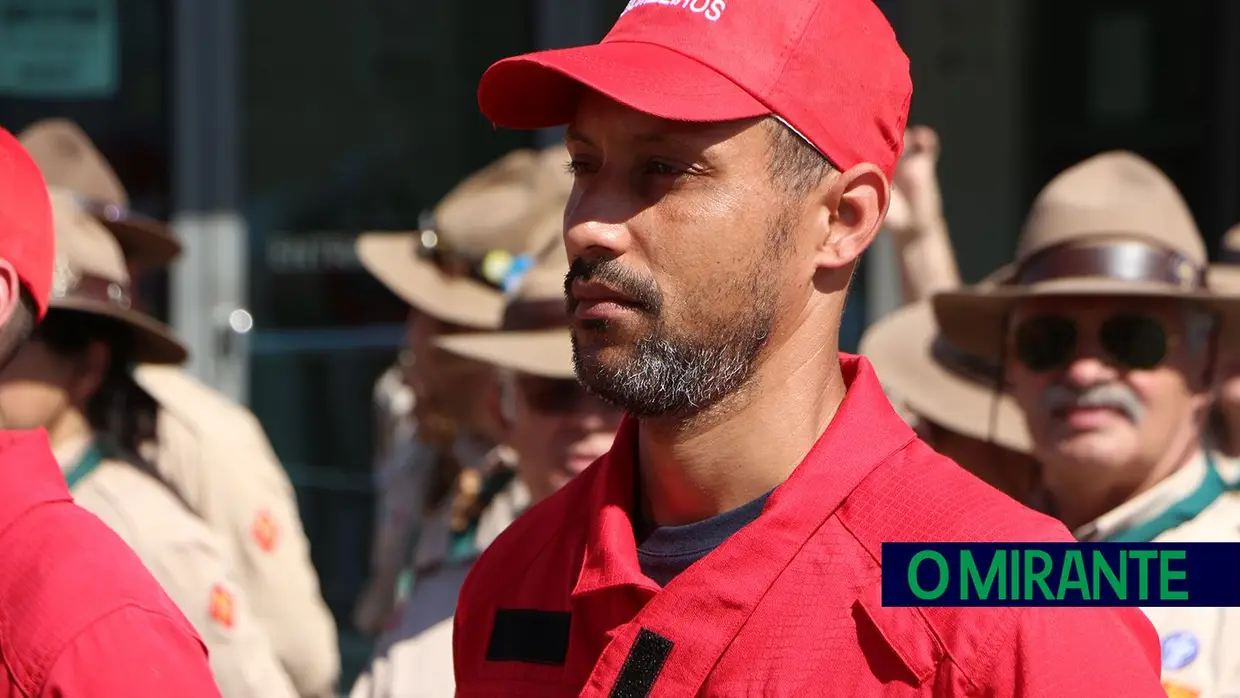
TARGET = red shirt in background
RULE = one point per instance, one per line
(79, 613)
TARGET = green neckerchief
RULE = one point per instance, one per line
(86, 465)
(1182, 511)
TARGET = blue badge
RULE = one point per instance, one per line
(1179, 650)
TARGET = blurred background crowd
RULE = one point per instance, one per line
(271, 135)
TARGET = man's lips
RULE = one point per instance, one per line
(595, 301)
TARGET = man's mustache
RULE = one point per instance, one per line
(643, 292)
(1115, 396)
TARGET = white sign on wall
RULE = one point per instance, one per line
(58, 49)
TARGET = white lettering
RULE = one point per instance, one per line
(710, 9)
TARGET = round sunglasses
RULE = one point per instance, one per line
(1132, 340)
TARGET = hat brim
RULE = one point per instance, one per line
(544, 353)
(541, 90)
(899, 346)
(974, 319)
(461, 301)
(154, 342)
(146, 242)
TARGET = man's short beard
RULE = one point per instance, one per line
(667, 376)
(682, 377)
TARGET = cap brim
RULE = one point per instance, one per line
(154, 342)
(541, 90)
(389, 258)
(545, 353)
(899, 346)
(146, 242)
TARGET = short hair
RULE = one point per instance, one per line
(795, 165)
(15, 332)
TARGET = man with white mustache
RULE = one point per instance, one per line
(1107, 329)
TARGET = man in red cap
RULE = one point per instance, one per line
(732, 162)
(79, 613)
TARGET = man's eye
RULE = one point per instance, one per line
(662, 168)
(576, 167)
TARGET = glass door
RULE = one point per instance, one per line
(355, 117)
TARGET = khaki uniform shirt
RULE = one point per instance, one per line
(402, 468)
(416, 661)
(1200, 646)
(215, 455)
(190, 563)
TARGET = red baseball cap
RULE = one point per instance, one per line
(27, 237)
(832, 70)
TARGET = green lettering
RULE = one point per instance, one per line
(1072, 576)
(1143, 578)
(1014, 593)
(916, 587)
(1118, 584)
(1167, 574)
(971, 577)
(1039, 576)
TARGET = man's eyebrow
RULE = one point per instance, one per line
(571, 134)
(652, 137)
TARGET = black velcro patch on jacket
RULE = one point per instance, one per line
(529, 635)
(643, 665)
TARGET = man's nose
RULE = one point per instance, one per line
(596, 223)
(1088, 369)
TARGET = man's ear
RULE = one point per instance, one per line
(10, 291)
(495, 403)
(855, 203)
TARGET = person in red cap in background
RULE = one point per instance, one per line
(81, 615)
(210, 450)
(732, 163)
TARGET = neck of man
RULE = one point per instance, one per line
(750, 442)
(1080, 496)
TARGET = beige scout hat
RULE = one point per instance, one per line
(940, 383)
(478, 240)
(534, 336)
(1113, 225)
(69, 159)
(90, 276)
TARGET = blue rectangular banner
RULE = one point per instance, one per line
(1061, 574)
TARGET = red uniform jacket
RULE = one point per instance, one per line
(791, 604)
(79, 613)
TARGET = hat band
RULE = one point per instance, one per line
(96, 289)
(971, 367)
(1133, 262)
(499, 270)
(527, 316)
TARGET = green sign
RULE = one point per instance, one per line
(58, 49)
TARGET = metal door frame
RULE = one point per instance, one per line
(209, 282)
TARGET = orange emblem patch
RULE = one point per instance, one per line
(221, 606)
(265, 531)
(1179, 690)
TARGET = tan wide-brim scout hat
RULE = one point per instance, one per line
(940, 383)
(90, 276)
(1113, 225)
(481, 235)
(1230, 253)
(534, 336)
(69, 159)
